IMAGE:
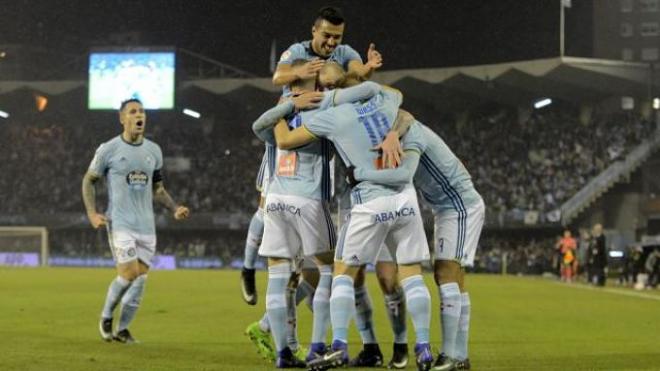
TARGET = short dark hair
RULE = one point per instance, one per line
(127, 101)
(331, 14)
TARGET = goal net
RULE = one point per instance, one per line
(24, 246)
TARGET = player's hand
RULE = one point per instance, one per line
(374, 58)
(307, 100)
(309, 69)
(97, 220)
(350, 176)
(391, 149)
(181, 213)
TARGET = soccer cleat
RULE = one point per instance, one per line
(463, 365)
(301, 352)
(261, 341)
(124, 336)
(444, 363)
(337, 357)
(424, 357)
(248, 287)
(370, 356)
(286, 359)
(316, 350)
(105, 328)
(399, 357)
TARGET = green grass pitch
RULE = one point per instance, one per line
(194, 320)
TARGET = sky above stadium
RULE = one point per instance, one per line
(409, 34)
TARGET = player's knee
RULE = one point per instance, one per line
(360, 277)
(311, 276)
(129, 271)
(446, 271)
(409, 270)
(387, 277)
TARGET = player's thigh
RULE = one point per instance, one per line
(281, 237)
(364, 234)
(407, 234)
(124, 247)
(146, 249)
(316, 229)
(475, 221)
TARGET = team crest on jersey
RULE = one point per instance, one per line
(286, 55)
(137, 180)
(149, 160)
(441, 244)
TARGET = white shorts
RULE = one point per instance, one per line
(457, 234)
(296, 226)
(394, 221)
(127, 246)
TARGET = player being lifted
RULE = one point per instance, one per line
(379, 214)
(297, 214)
(325, 45)
(131, 165)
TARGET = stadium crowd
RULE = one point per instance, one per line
(210, 164)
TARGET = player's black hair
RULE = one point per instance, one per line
(331, 14)
(127, 101)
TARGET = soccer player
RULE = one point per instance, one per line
(297, 214)
(256, 228)
(327, 34)
(459, 212)
(131, 165)
(325, 45)
(379, 214)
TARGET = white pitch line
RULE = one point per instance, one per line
(611, 291)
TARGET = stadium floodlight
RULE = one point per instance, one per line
(616, 254)
(191, 113)
(4, 114)
(656, 103)
(542, 103)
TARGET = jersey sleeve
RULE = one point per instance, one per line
(295, 51)
(263, 127)
(349, 54)
(99, 163)
(159, 158)
(414, 140)
(402, 175)
(320, 125)
(363, 91)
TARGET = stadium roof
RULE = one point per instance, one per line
(454, 88)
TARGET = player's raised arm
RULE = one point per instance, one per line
(364, 70)
(162, 197)
(400, 176)
(89, 199)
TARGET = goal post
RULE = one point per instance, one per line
(24, 246)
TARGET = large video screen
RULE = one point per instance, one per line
(115, 77)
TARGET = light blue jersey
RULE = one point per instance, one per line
(266, 168)
(305, 171)
(440, 177)
(355, 129)
(129, 171)
(342, 54)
